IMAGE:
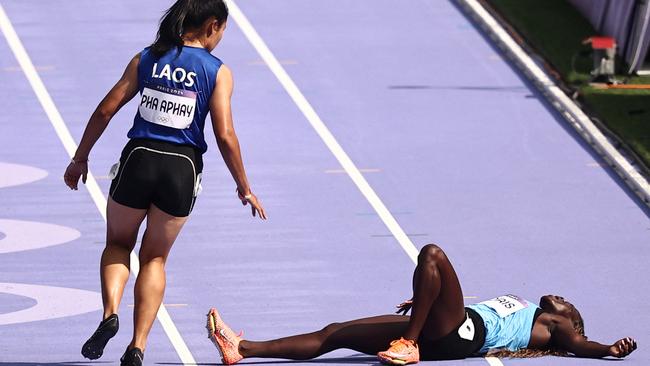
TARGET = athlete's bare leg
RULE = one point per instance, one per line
(122, 226)
(162, 230)
(438, 305)
(437, 308)
(368, 335)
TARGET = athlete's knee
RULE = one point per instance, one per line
(147, 257)
(121, 242)
(431, 253)
(327, 339)
(330, 329)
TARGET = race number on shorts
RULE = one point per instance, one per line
(167, 106)
(506, 304)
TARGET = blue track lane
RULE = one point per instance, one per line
(464, 153)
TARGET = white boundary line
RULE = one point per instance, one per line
(567, 108)
(322, 130)
(91, 184)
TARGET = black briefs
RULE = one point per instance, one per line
(159, 173)
(454, 346)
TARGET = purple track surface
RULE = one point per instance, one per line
(462, 150)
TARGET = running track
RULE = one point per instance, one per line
(460, 149)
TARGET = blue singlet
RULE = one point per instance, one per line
(175, 93)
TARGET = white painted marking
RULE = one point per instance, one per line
(51, 302)
(91, 184)
(493, 361)
(569, 110)
(28, 235)
(339, 171)
(322, 130)
(15, 174)
(327, 137)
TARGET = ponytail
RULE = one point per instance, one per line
(185, 14)
(171, 29)
(579, 328)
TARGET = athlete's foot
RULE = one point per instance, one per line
(132, 357)
(401, 352)
(94, 346)
(224, 338)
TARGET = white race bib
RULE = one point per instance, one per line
(506, 304)
(167, 106)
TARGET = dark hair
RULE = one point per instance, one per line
(578, 326)
(183, 15)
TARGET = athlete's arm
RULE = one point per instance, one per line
(123, 91)
(224, 131)
(565, 337)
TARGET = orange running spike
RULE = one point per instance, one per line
(226, 341)
(401, 352)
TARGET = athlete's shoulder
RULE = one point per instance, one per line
(214, 59)
(224, 75)
(145, 51)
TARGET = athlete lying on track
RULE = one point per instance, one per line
(440, 327)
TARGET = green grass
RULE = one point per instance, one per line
(555, 29)
(625, 113)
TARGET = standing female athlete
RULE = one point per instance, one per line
(159, 173)
(440, 327)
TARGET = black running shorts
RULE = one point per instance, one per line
(159, 173)
(454, 346)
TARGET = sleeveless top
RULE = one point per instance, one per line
(508, 322)
(175, 91)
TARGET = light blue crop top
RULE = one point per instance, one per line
(511, 331)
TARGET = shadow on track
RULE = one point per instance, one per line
(71, 363)
(353, 359)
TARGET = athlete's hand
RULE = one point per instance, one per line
(73, 172)
(256, 206)
(622, 347)
(404, 307)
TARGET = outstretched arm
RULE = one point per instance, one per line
(123, 91)
(224, 131)
(565, 337)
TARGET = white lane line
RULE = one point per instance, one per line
(91, 184)
(322, 130)
(493, 361)
(362, 170)
(327, 137)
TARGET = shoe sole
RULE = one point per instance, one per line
(211, 326)
(94, 347)
(394, 361)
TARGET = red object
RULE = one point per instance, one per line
(602, 43)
